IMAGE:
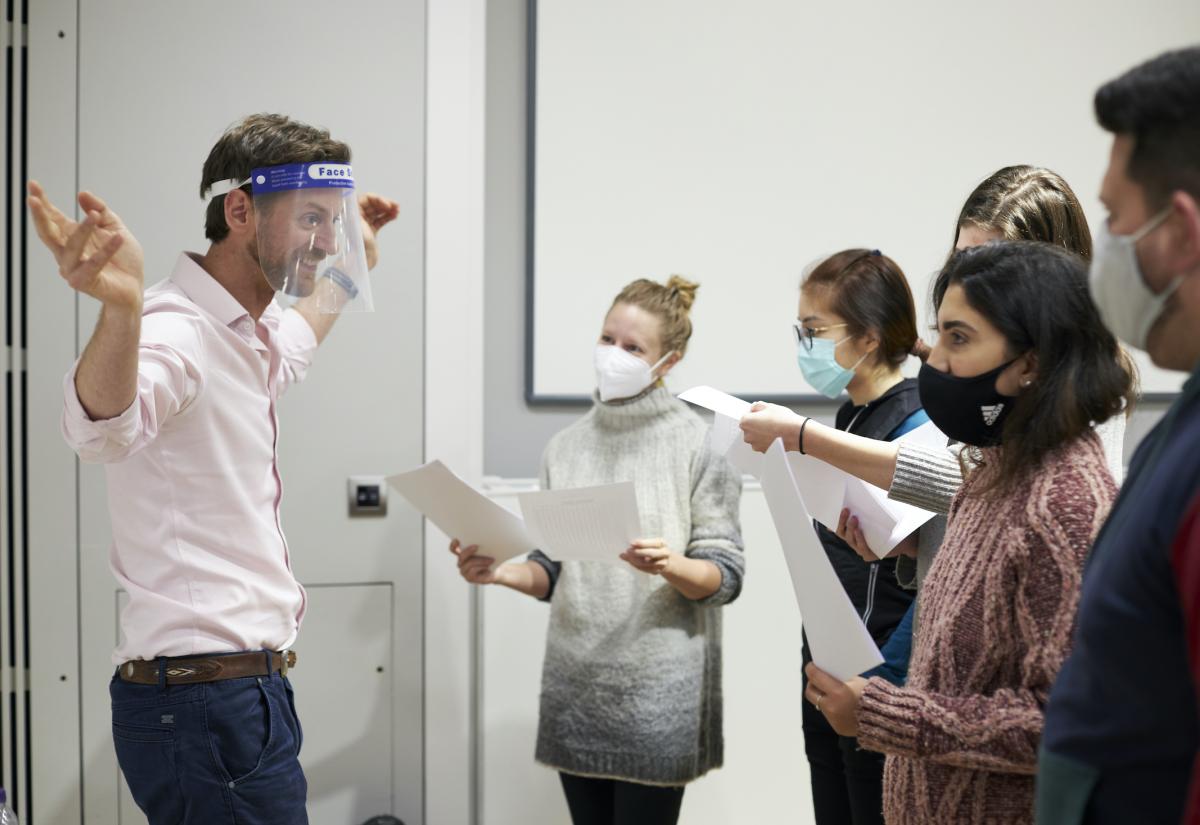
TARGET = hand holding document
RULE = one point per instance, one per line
(589, 523)
(584, 524)
(726, 436)
(461, 512)
(839, 641)
(826, 490)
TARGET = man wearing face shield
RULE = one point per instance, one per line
(1122, 728)
(176, 394)
(307, 230)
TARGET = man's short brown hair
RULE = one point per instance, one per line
(256, 141)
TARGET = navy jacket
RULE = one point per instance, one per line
(1121, 723)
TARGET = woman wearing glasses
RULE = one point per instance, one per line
(1016, 203)
(855, 327)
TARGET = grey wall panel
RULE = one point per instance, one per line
(51, 491)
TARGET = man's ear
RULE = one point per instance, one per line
(239, 212)
(1186, 255)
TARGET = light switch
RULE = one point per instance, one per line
(367, 495)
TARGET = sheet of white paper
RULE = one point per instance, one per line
(726, 439)
(584, 524)
(821, 485)
(884, 522)
(926, 435)
(717, 401)
(876, 520)
(462, 512)
(839, 641)
(825, 489)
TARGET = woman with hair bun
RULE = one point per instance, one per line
(631, 686)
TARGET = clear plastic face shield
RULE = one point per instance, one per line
(310, 236)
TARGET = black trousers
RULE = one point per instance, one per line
(614, 802)
(847, 782)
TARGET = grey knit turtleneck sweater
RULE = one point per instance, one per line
(631, 687)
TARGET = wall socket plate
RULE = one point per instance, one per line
(367, 495)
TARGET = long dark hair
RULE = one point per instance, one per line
(1036, 294)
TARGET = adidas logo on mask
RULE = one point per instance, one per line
(991, 412)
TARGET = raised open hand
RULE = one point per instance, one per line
(97, 256)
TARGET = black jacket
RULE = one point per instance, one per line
(872, 587)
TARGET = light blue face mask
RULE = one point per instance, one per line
(821, 368)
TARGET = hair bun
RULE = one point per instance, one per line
(682, 290)
(920, 349)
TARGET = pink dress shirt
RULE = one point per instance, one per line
(193, 476)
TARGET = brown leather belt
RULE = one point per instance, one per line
(190, 670)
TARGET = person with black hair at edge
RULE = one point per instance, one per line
(1122, 728)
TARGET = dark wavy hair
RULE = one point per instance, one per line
(261, 140)
(870, 291)
(1158, 105)
(1036, 294)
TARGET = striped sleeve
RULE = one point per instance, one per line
(926, 477)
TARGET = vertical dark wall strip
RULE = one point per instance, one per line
(8, 737)
(530, 153)
(23, 274)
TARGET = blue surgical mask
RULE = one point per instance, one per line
(821, 368)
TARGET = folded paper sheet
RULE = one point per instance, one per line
(587, 523)
(583, 524)
(826, 490)
(460, 511)
(837, 637)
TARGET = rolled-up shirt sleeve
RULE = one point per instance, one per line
(169, 379)
(297, 345)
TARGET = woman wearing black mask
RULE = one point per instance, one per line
(1016, 203)
(1022, 369)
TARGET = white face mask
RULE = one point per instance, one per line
(621, 374)
(1127, 305)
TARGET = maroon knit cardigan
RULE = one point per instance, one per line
(995, 620)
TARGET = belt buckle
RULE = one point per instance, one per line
(283, 662)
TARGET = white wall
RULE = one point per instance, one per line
(765, 778)
(453, 391)
(737, 143)
(514, 431)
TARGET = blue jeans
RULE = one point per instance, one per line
(215, 752)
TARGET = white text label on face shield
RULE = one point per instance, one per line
(331, 171)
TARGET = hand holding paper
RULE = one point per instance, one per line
(826, 490)
(462, 512)
(763, 423)
(472, 566)
(585, 524)
(592, 523)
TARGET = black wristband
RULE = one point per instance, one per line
(800, 441)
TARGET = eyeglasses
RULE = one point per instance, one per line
(805, 334)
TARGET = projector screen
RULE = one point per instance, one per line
(735, 143)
